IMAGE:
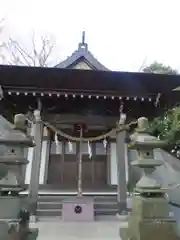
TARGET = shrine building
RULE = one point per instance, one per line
(80, 92)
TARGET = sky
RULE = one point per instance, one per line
(121, 34)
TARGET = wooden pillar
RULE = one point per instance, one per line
(108, 164)
(77, 162)
(121, 171)
(48, 149)
(93, 165)
(63, 159)
(36, 162)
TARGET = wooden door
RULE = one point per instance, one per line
(94, 172)
(70, 171)
(62, 172)
(87, 172)
(54, 170)
(100, 169)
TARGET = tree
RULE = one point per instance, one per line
(166, 126)
(1, 42)
(38, 55)
(157, 67)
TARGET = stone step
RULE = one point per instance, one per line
(61, 198)
(51, 206)
(57, 205)
(58, 212)
(49, 213)
(97, 218)
(107, 206)
(105, 212)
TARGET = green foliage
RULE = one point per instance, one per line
(156, 67)
(167, 127)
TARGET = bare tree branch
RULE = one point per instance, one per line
(143, 64)
(17, 53)
(38, 56)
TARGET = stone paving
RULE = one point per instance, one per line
(54, 230)
(103, 228)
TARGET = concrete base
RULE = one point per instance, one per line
(4, 228)
(123, 218)
(33, 234)
(12, 230)
(9, 207)
(33, 219)
(78, 209)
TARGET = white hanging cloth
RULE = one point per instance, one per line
(70, 147)
(58, 144)
(105, 143)
(157, 99)
(89, 150)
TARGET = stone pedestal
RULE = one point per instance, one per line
(11, 206)
(14, 221)
(150, 218)
(78, 209)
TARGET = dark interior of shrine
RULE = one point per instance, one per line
(84, 107)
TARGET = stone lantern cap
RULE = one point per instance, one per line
(12, 135)
(142, 139)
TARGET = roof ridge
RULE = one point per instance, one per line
(82, 51)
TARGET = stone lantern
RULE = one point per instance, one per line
(14, 217)
(150, 211)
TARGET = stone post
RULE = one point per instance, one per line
(121, 171)
(36, 164)
(150, 211)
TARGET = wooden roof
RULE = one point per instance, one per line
(86, 81)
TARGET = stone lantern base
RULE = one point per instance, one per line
(149, 220)
(13, 226)
(11, 230)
